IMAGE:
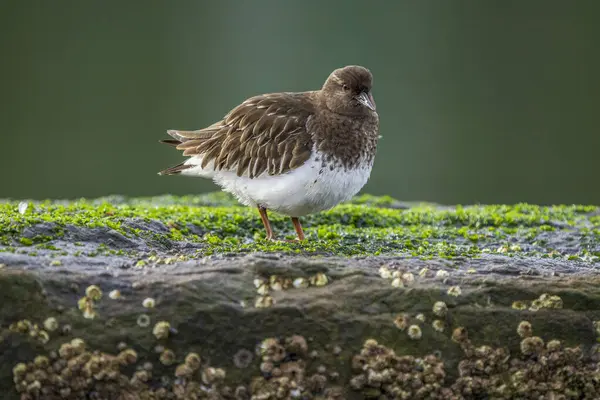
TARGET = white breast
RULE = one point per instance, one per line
(305, 190)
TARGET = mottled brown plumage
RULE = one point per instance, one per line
(275, 132)
(335, 128)
(264, 133)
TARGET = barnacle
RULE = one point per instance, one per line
(51, 324)
(319, 279)
(414, 332)
(483, 351)
(66, 329)
(89, 313)
(267, 346)
(524, 329)
(550, 301)
(143, 320)
(93, 292)
(408, 278)
(84, 303)
(161, 330)
(20, 370)
(519, 305)
(66, 351)
(440, 308)
(546, 301)
(532, 345)
(385, 272)
(148, 302)
(243, 358)
(127, 356)
(553, 346)
(397, 282)
(438, 325)
(297, 345)
(402, 321)
(264, 301)
(266, 367)
(263, 289)
(241, 393)
(211, 375)
(258, 282)
(300, 283)
(459, 335)
(358, 382)
(167, 357)
(193, 361)
(22, 326)
(276, 283)
(78, 345)
(454, 291)
(441, 274)
(42, 337)
(183, 371)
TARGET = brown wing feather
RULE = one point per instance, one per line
(265, 133)
(175, 170)
(171, 142)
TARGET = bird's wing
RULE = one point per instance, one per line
(266, 133)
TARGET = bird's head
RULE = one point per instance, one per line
(347, 91)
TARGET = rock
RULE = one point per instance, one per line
(323, 313)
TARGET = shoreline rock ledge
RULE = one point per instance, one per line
(181, 298)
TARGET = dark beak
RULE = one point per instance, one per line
(367, 100)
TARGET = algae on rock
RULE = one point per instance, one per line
(213, 224)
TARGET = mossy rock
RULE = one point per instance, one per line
(364, 264)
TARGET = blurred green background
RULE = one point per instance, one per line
(479, 101)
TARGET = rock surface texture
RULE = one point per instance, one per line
(181, 298)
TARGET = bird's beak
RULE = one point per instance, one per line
(367, 99)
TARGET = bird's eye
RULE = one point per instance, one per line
(345, 87)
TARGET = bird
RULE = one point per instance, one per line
(293, 153)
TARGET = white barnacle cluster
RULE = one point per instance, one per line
(276, 283)
(414, 324)
(397, 278)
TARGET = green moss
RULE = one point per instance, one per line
(367, 225)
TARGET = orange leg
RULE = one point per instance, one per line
(298, 228)
(266, 223)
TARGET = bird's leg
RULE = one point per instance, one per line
(298, 228)
(266, 223)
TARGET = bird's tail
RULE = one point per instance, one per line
(188, 141)
(176, 141)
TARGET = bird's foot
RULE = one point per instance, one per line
(292, 240)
